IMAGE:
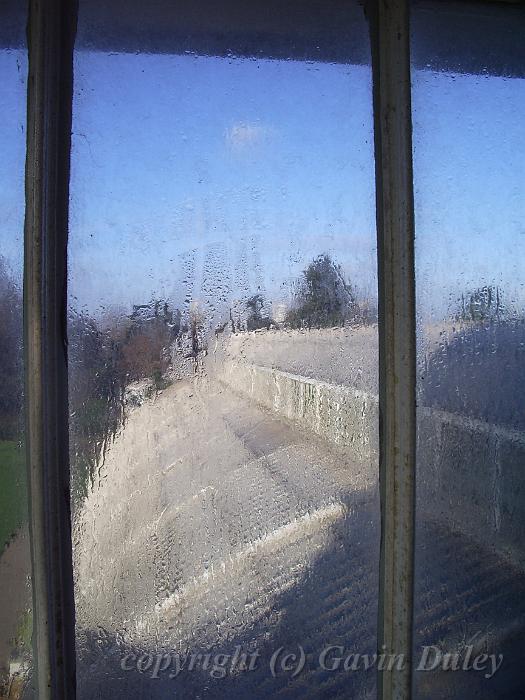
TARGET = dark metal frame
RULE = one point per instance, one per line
(51, 33)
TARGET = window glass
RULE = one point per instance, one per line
(15, 563)
(469, 171)
(223, 351)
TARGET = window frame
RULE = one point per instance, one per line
(51, 35)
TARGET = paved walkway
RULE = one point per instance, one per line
(215, 526)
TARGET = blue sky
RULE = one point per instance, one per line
(469, 180)
(197, 177)
(13, 77)
(257, 166)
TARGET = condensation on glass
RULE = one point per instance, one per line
(223, 350)
(15, 560)
(468, 78)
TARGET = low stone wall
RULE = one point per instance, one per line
(340, 414)
(470, 473)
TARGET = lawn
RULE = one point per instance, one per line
(13, 490)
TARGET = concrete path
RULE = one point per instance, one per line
(215, 527)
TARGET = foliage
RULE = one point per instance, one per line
(104, 358)
(103, 361)
(149, 334)
(11, 375)
(322, 298)
(13, 490)
(13, 478)
(96, 391)
(255, 318)
(481, 305)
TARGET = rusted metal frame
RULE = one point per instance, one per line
(389, 23)
(51, 30)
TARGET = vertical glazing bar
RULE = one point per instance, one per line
(50, 39)
(397, 337)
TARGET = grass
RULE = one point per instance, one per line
(24, 632)
(13, 490)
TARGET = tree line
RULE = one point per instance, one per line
(107, 355)
(11, 369)
(322, 297)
